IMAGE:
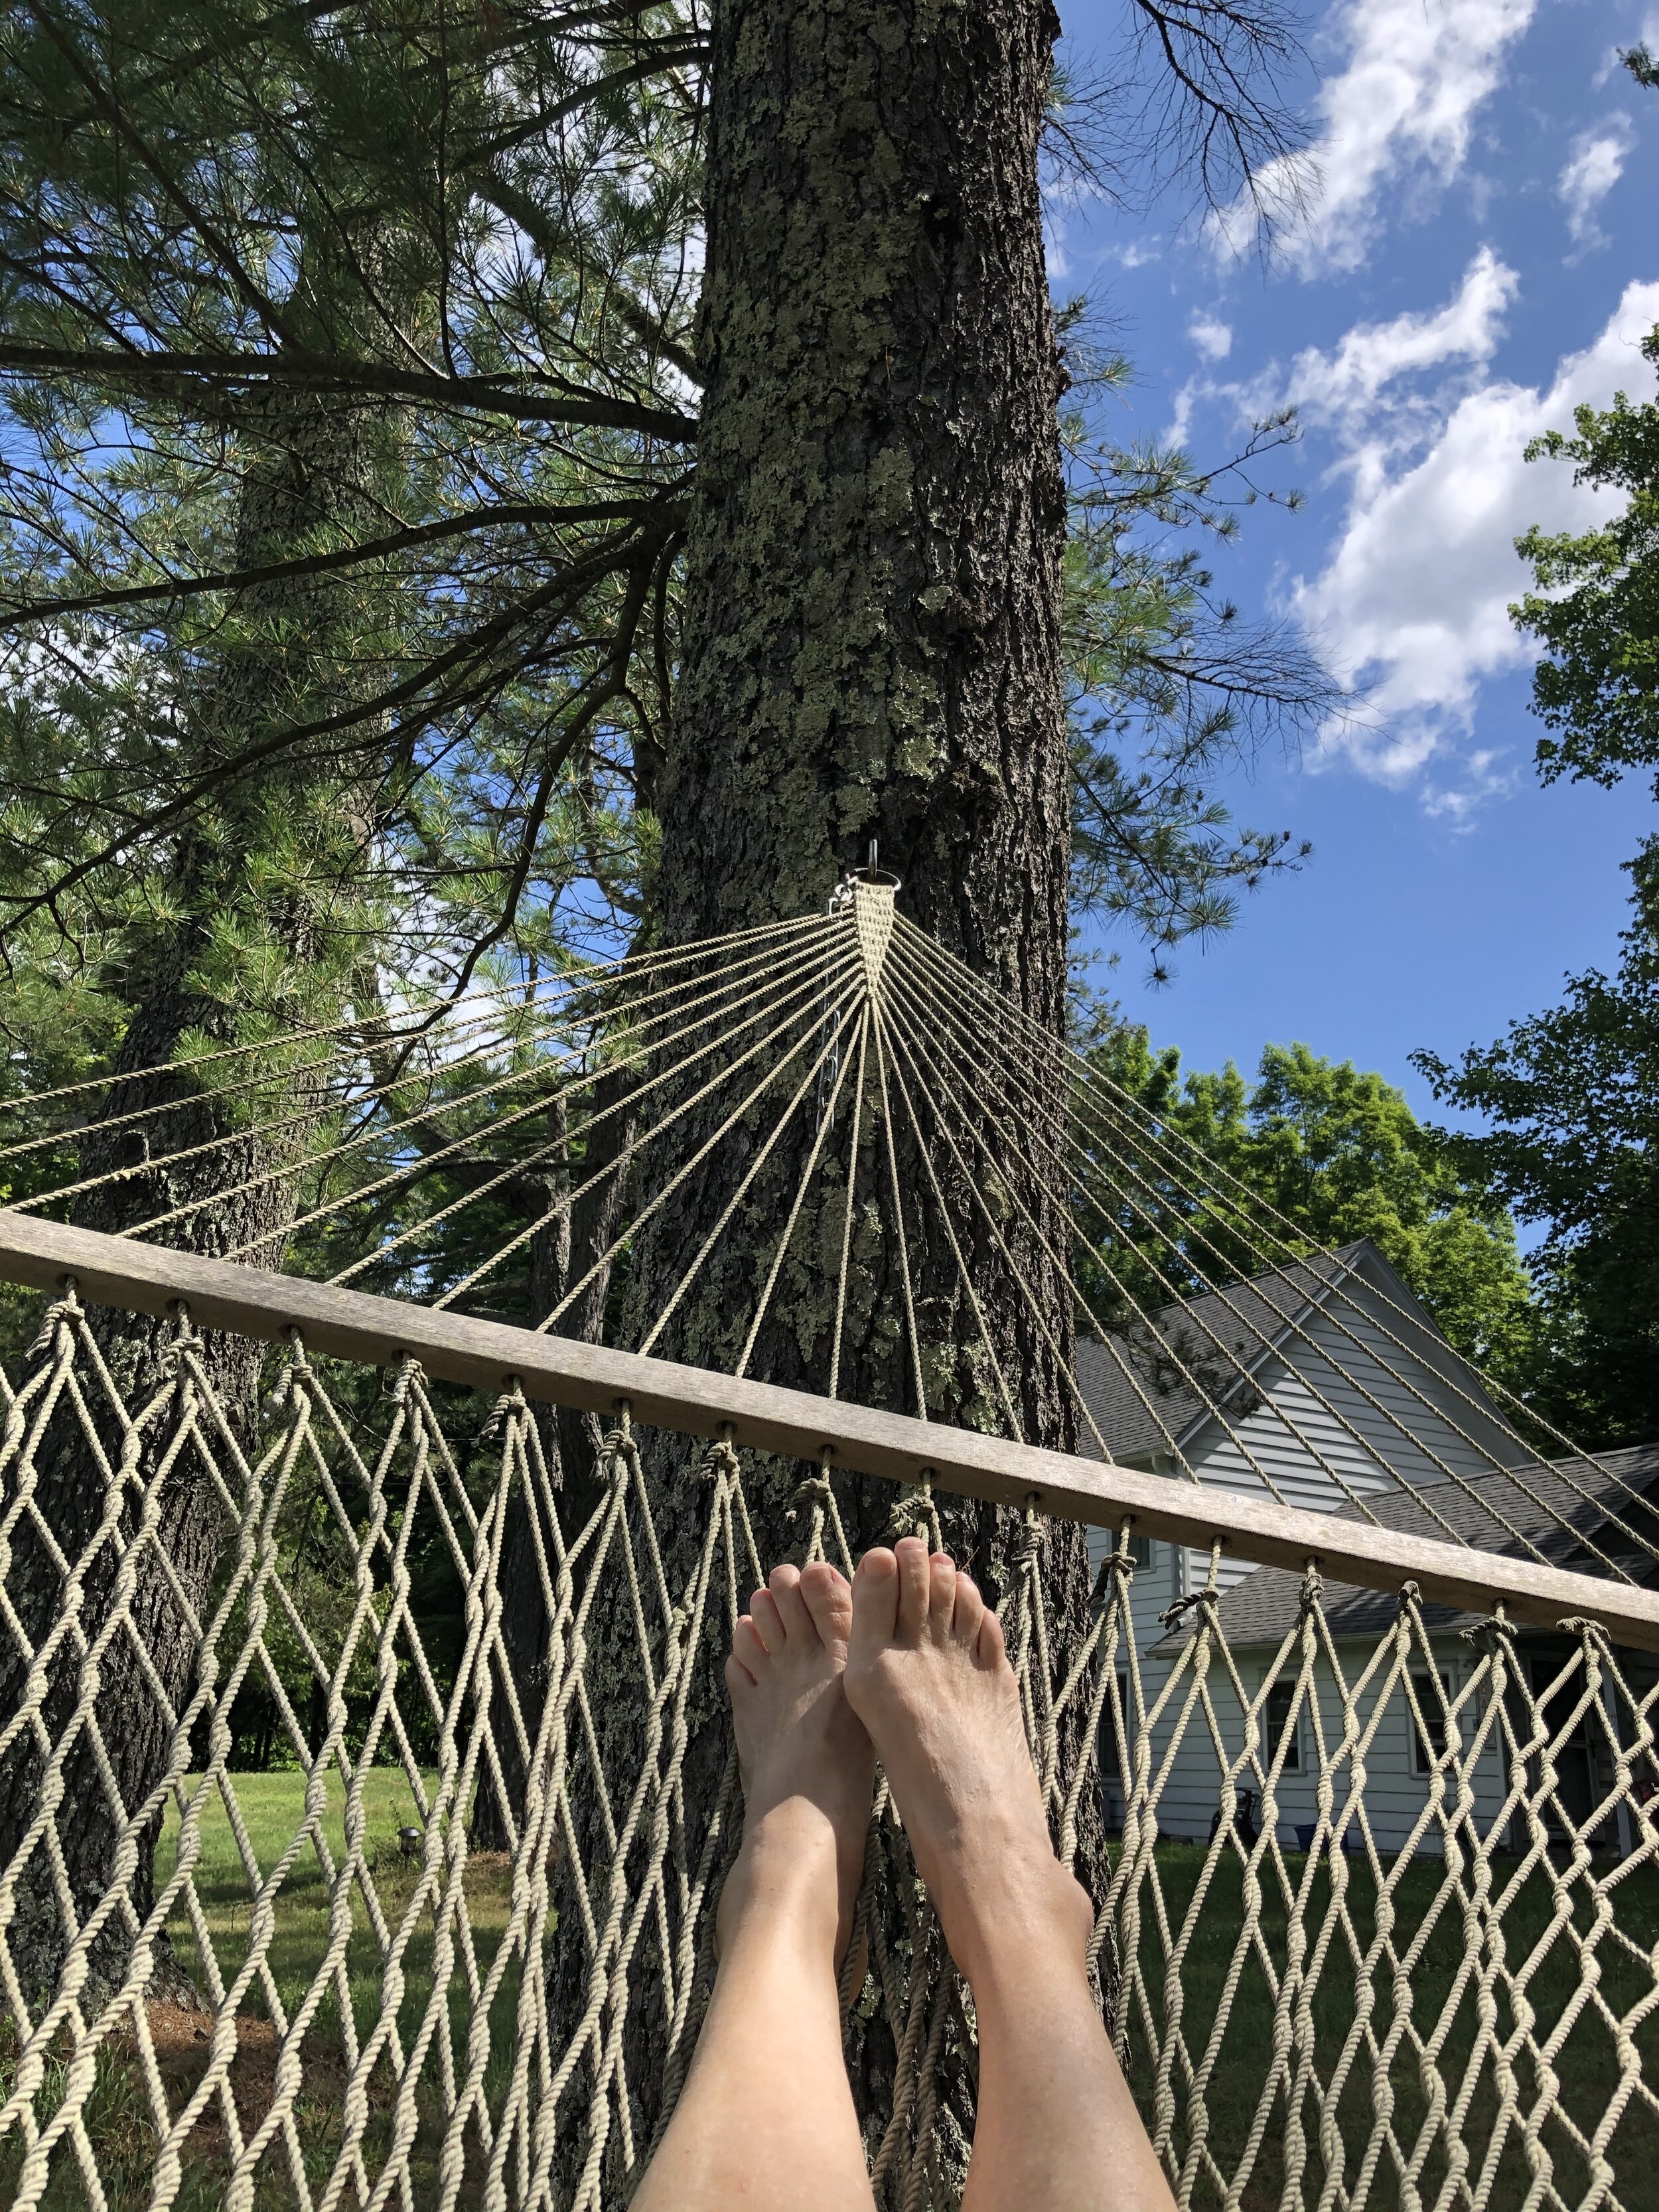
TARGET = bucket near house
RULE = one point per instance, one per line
(1352, 1841)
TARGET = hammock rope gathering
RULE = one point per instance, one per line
(1456, 2015)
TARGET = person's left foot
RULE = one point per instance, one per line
(808, 1767)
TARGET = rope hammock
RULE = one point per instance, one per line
(1452, 2012)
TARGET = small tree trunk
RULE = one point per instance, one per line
(240, 1202)
(571, 1239)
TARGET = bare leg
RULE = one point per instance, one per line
(927, 1674)
(766, 2118)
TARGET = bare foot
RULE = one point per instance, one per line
(808, 1766)
(928, 1676)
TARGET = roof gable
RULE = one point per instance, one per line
(1160, 1385)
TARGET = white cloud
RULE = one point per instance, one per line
(1395, 123)
(1213, 339)
(1414, 599)
(1481, 778)
(1342, 385)
(1594, 168)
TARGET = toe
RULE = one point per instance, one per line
(968, 1613)
(783, 1586)
(990, 1650)
(875, 1604)
(828, 1596)
(941, 1595)
(748, 1652)
(913, 1580)
(768, 1622)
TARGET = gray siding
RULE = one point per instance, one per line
(1396, 1796)
(1333, 1412)
(1339, 1403)
(1330, 1412)
(1383, 1767)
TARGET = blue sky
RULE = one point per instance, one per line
(1478, 254)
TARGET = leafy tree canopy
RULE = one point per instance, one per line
(1315, 1152)
(1573, 1096)
(1594, 609)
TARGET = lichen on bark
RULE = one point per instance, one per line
(872, 650)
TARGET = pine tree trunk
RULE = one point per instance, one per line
(871, 652)
(571, 1241)
(315, 461)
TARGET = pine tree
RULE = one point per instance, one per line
(468, 247)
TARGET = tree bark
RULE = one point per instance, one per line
(871, 652)
(570, 1239)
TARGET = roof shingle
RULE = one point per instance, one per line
(1267, 1605)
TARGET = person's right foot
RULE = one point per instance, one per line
(928, 1676)
(807, 1767)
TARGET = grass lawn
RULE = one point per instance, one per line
(118, 2116)
(271, 1806)
(1586, 2062)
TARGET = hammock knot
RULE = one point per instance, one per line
(1206, 1596)
(296, 1367)
(915, 1514)
(1587, 1630)
(814, 1492)
(61, 1313)
(1116, 1567)
(1493, 1635)
(171, 1356)
(1313, 1589)
(718, 1463)
(510, 1402)
(277, 1398)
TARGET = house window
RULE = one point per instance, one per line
(1276, 1721)
(1433, 1695)
(1141, 1551)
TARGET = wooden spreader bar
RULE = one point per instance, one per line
(125, 1273)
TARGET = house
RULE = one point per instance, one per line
(1322, 1381)
(1570, 1511)
(1327, 1382)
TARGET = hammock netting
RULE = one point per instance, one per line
(445, 1937)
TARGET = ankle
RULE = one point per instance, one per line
(1016, 1918)
(784, 1881)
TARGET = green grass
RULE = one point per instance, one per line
(1587, 2064)
(119, 2119)
(272, 1808)
(272, 1805)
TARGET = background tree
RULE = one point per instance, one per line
(1338, 1154)
(1573, 1093)
(1573, 1096)
(238, 298)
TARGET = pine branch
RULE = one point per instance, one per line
(507, 514)
(172, 374)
